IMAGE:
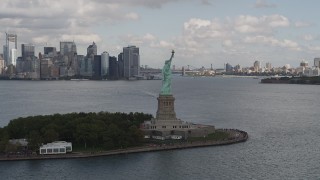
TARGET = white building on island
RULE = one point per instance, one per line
(56, 147)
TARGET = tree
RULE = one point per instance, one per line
(82, 134)
(34, 140)
(4, 140)
(50, 135)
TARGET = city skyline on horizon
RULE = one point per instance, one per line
(202, 32)
(263, 64)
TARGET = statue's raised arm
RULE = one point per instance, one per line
(172, 55)
(166, 73)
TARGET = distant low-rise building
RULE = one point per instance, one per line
(304, 63)
(311, 71)
(237, 68)
(257, 66)
(229, 68)
(268, 66)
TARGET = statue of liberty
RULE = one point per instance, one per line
(166, 73)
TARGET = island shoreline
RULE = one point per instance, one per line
(242, 136)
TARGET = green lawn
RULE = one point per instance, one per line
(216, 136)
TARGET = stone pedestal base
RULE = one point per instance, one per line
(166, 108)
(166, 125)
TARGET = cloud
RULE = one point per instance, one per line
(41, 39)
(227, 43)
(59, 13)
(196, 23)
(264, 4)
(308, 37)
(206, 2)
(147, 39)
(201, 34)
(314, 48)
(132, 16)
(163, 44)
(264, 24)
(239, 37)
(81, 38)
(268, 40)
(44, 21)
(203, 29)
(144, 3)
(302, 24)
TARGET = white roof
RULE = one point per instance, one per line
(52, 146)
(57, 144)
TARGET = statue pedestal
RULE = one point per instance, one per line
(166, 108)
(166, 125)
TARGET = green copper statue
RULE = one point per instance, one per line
(166, 73)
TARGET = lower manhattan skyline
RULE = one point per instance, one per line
(202, 32)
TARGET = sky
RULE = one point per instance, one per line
(202, 32)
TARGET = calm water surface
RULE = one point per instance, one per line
(283, 122)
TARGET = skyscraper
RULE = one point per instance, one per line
(268, 66)
(131, 60)
(89, 59)
(120, 66)
(229, 68)
(50, 51)
(67, 48)
(97, 67)
(1, 64)
(104, 63)
(304, 63)
(13, 57)
(317, 62)
(5, 54)
(113, 68)
(10, 49)
(27, 50)
(256, 66)
(92, 49)
(85, 66)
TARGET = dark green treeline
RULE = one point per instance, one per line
(103, 130)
